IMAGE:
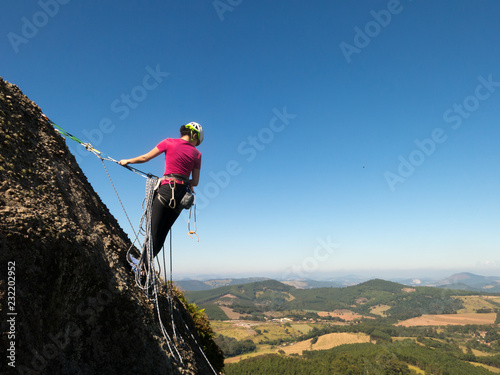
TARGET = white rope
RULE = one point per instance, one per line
(121, 203)
(147, 270)
(171, 302)
(151, 279)
(145, 273)
(170, 290)
(146, 277)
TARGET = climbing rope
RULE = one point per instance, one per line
(121, 203)
(170, 290)
(145, 275)
(148, 280)
(91, 149)
(170, 296)
(145, 271)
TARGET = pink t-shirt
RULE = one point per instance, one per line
(181, 157)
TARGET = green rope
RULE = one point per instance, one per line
(65, 133)
(96, 152)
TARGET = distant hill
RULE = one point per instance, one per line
(197, 285)
(470, 281)
(261, 298)
(248, 292)
(461, 281)
(309, 284)
(416, 281)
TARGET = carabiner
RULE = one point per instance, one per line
(171, 204)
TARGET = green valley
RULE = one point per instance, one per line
(373, 327)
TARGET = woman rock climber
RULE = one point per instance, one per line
(182, 160)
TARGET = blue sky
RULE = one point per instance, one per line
(340, 136)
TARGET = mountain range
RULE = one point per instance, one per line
(462, 281)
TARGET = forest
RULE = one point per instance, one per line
(398, 358)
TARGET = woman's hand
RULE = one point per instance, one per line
(124, 162)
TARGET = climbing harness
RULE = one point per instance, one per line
(146, 276)
(187, 199)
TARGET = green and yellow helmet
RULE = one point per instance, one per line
(195, 127)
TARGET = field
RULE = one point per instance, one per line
(229, 312)
(327, 341)
(449, 319)
(344, 314)
(323, 342)
(238, 329)
(475, 303)
(380, 310)
(259, 331)
(283, 329)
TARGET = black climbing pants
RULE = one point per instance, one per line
(163, 216)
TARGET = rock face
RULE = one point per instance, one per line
(68, 297)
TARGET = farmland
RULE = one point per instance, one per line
(450, 319)
(273, 319)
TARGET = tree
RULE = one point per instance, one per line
(378, 336)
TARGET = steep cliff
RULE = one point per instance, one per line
(68, 298)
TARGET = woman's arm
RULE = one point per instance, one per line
(141, 159)
(196, 177)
